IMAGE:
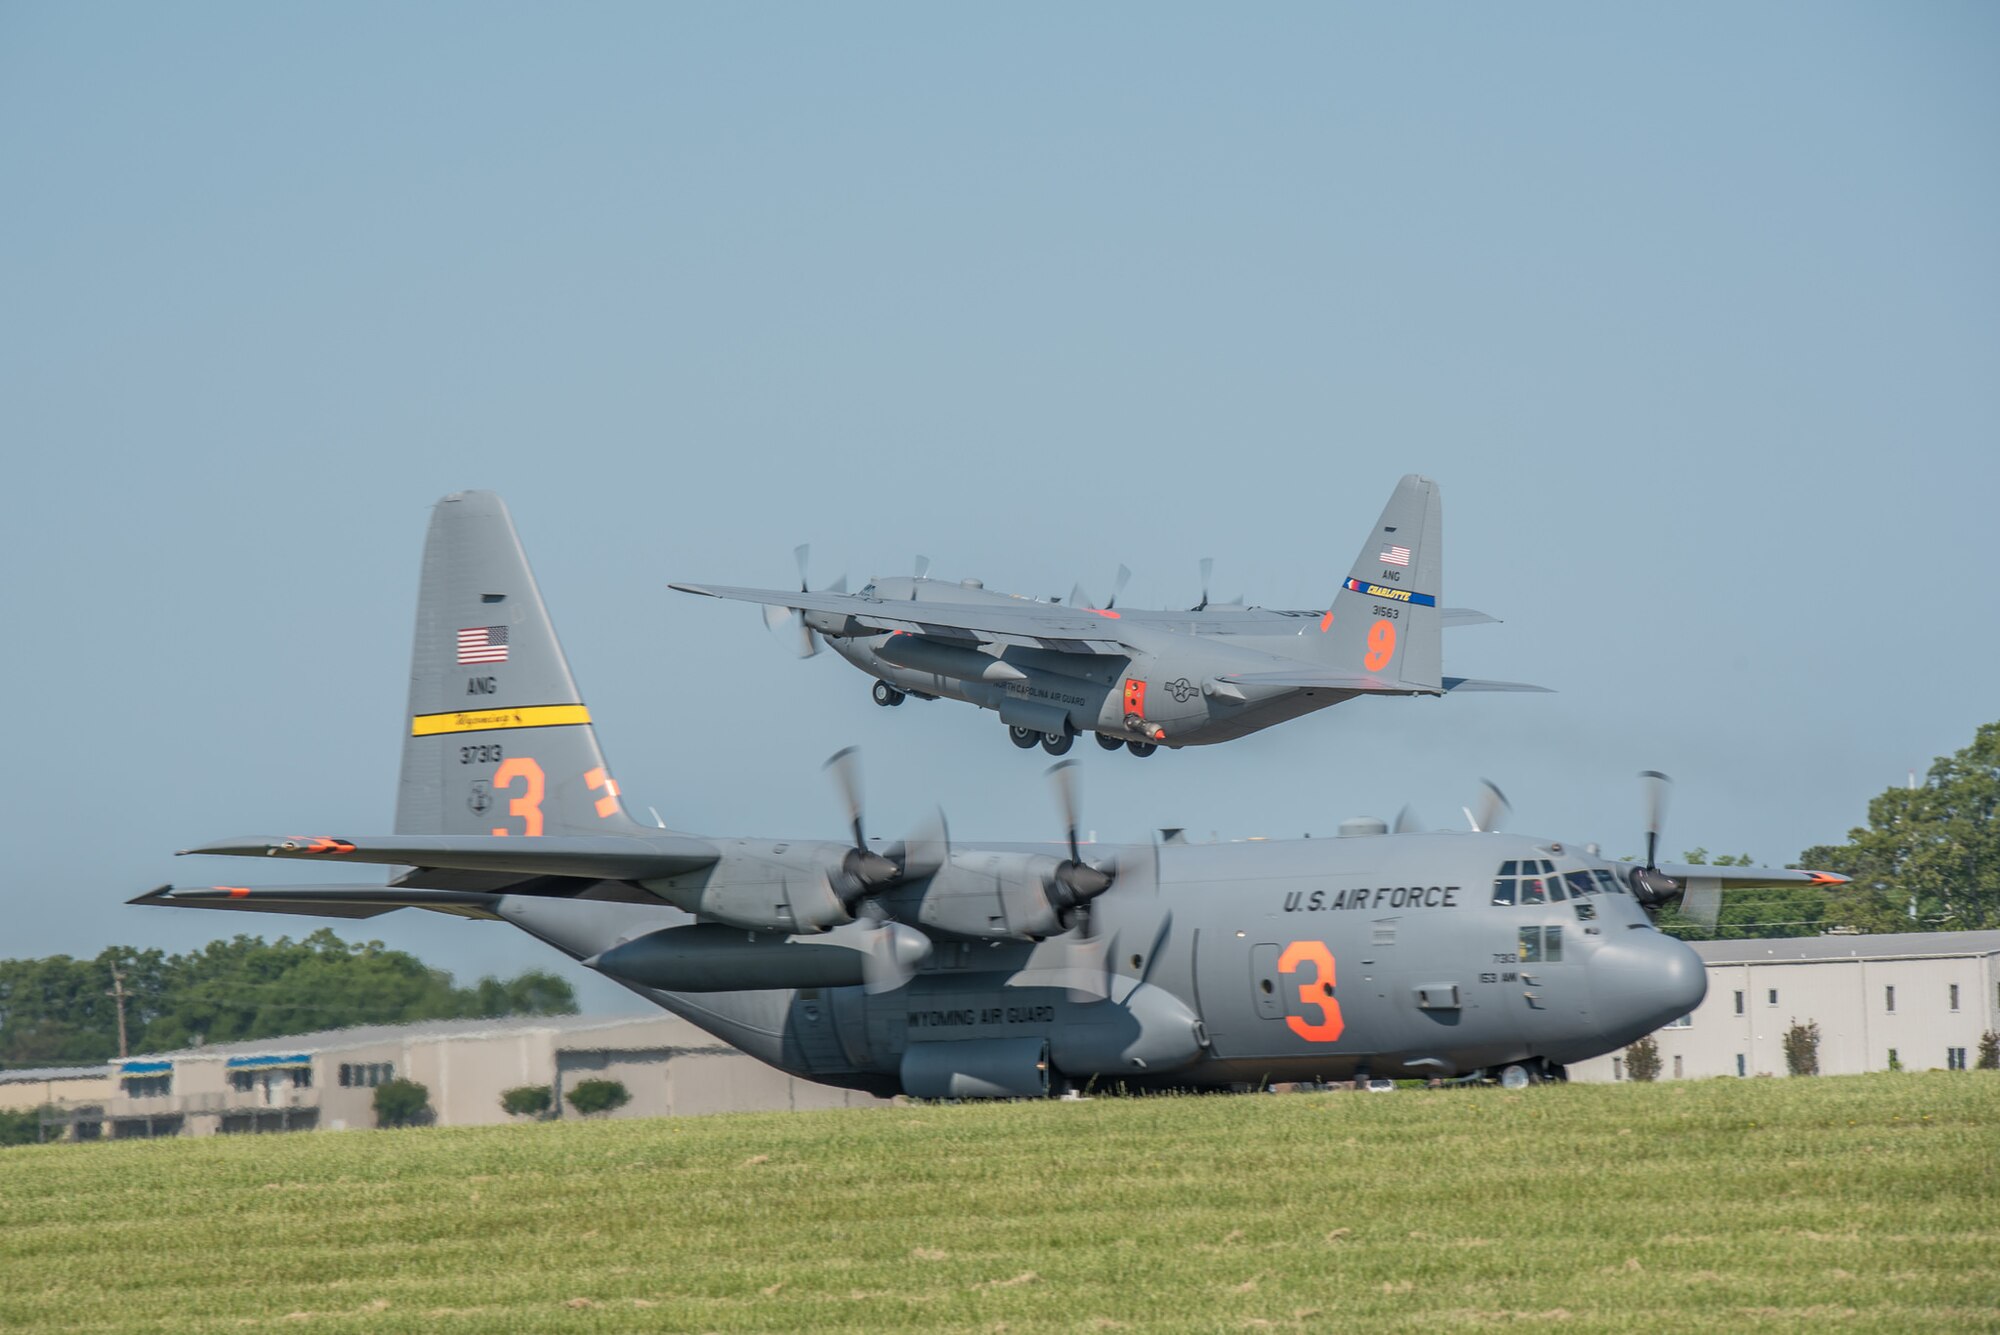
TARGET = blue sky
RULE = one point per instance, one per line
(1691, 311)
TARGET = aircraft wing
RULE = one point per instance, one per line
(1476, 684)
(1021, 621)
(1747, 878)
(1307, 679)
(594, 857)
(1463, 616)
(1702, 886)
(321, 901)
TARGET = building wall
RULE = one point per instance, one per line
(21, 1095)
(667, 1065)
(1848, 999)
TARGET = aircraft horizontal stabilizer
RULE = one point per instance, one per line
(1477, 684)
(608, 857)
(1464, 616)
(323, 901)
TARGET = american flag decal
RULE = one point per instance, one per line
(483, 644)
(1395, 556)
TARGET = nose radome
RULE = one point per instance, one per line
(1645, 980)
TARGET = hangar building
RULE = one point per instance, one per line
(1909, 1000)
(327, 1080)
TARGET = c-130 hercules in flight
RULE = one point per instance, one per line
(1142, 678)
(997, 971)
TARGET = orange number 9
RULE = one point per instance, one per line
(528, 806)
(1317, 994)
(1381, 645)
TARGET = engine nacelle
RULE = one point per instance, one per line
(988, 896)
(765, 886)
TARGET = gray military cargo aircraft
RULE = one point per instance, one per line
(996, 971)
(1140, 678)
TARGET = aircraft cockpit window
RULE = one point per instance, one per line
(1608, 881)
(1531, 945)
(1503, 888)
(1581, 883)
(1552, 944)
(1556, 892)
(1534, 890)
(1508, 868)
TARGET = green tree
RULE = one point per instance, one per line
(1989, 1051)
(20, 1126)
(1642, 1060)
(527, 1101)
(598, 1096)
(56, 1011)
(1929, 858)
(1802, 1048)
(402, 1103)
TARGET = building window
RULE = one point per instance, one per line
(243, 1081)
(302, 1077)
(366, 1075)
(1739, 1003)
(1740, 1070)
(1617, 1068)
(1771, 997)
(1677, 1066)
(1685, 1022)
(1954, 996)
(1954, 1059)
(148, 1086)
(1889, 999)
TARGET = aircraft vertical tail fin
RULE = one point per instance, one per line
(1385, 621)
(499, 741)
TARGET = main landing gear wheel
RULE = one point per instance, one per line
(1141, 748)
(1057, 743)
(1108, 742)
(1023, 737)
(886, 695)
(1515, 1077)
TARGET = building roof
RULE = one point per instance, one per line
(564, 1026)
(1888, 945)
(37, 1074)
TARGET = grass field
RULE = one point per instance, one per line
(1871, 1203)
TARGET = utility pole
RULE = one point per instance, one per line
(118, 993)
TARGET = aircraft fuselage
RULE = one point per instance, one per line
(1230, 964)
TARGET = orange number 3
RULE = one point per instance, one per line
(1381, 646)
(1317, 994)
(528, 806)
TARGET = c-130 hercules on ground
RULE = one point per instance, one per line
(1142, 678)
(998, 971)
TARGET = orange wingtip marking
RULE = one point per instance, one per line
(236, 891)
(1326, 622)
(1104, 612)
(1828, 878)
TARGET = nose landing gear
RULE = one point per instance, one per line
(1534, 1071)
